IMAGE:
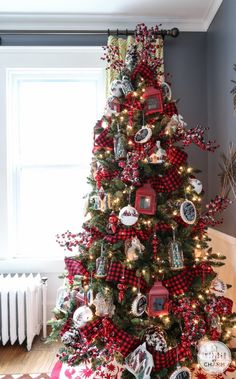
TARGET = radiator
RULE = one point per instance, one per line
(22, 308)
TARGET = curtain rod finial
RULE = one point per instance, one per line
(174, 32)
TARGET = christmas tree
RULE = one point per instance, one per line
(140, 287)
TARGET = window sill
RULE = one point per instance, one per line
(27, 265)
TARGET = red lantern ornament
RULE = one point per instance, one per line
(145, 200)
(153, 100)
(158, 300)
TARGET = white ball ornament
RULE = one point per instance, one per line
(82, 315)
(128, 215)
(196, 184)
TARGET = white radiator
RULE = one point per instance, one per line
(22, 308)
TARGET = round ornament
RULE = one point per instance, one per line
(139, 305)
(166, 90)
(181, 373)
(82, 315)
(188, 212)
(143, 135)
(128, 215)
(218, 287)
(155, 339)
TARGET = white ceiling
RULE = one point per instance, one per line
(187, 15)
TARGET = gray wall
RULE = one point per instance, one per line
(185, 61)
(221, 55)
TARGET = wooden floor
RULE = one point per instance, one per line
(17, 360)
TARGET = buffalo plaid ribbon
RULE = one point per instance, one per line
(170, 109)
(181, 282)
(124, 234)
(125, 343)
(103, 140)
(168, 359)
(94, 232)
(168, 182)
(145, 72)
(115, 272)
(144, 148)
(75, 267)
(98, 328)
(92, 329)
(176, 156)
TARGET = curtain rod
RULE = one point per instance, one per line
(174, 32)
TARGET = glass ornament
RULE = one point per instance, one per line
(101, 265)
(120, 145)
(175, 252)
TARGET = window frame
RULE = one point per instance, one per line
(53, 60)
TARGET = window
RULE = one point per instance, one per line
(50, 114)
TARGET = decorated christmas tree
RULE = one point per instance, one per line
(140, 288)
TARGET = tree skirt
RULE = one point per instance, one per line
(25, 376)
(113, 371)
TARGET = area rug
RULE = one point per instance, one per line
(25, 376)
(113, 371)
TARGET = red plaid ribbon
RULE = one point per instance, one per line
(115, 272)
(125, 342)
(92, 329)
(170, 109)
(94, 232)
(168, 359)
(181, 282)
(103, 140)
(75, 267)
(145, 72)
(124, 234)
(168, 182)
(176, 156)
(144, 148)
(100, 327)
